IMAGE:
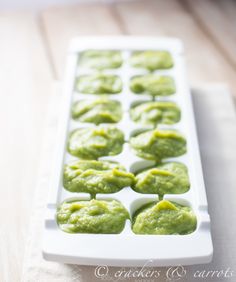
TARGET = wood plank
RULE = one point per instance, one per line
(169, 18)
(24, 88)
(60, 24)
(228, 7)
(218, 18)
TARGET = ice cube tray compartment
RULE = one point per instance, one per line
(179, 248)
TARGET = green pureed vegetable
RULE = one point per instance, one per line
(155, 113)
(153, 84)
(94, 216)
(166, 178)
(97, 111)
(96, 177)
(164, 218)
(100, 59)
(92, 143)
(99, 84)
(152, 60)
(158, 144)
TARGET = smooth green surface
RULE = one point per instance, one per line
(99, 84)
(96, 177)
(152, 60)
(158, 144)
(153, 84)
(167, 178)
(97, 111)
(100, 59)
(94, 216)
(164, 218)
(92, 143)
(155, 113)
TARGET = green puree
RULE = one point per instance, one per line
(92, 143)
(167, 178)
(155, 113)
(94, 216)
(100, 59)
(99, 84)
(97, 111)
(164, 218)
(153, 84)
(158, 144)
(96, 177)
(152, 60)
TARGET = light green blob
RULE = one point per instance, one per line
(94, 216)
(158, 144)
(155, 113)
(100, 59)
(167, 178)
(164, 218)
(96, 177)
(99, 84)
(97, 111)
(153, 84)
(95, 142)
(152, 60)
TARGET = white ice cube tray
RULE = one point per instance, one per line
(127, 248)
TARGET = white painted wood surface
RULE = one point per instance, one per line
(24, 92)
(32, 56)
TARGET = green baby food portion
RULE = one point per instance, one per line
(99, 84)
(95, 142)
(164, 218)
(101, 59)
(158, 144)
(155, 113)
(167, 178)
(152, 60)
(96, 177)
(94, 216)
(153, 84)
(97, 111)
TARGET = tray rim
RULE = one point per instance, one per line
(53, 250)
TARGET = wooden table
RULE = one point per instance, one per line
(32, 56)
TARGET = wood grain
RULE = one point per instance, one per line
(205, 60)
(32, 54)
(24, 83)
(218, 18)
(170, 18)
(61, 24)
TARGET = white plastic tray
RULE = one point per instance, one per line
(126, 248)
